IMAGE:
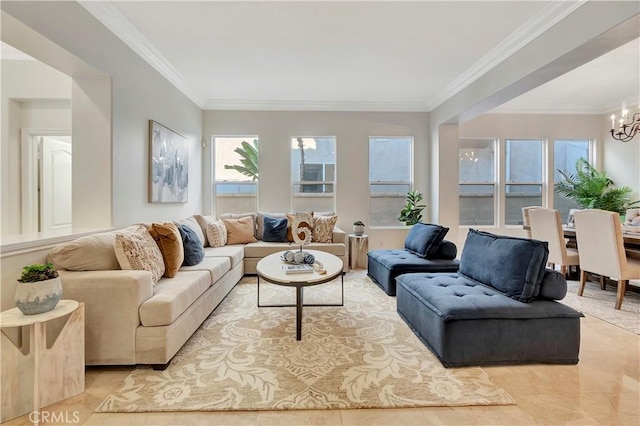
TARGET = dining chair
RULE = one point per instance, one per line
(601, 246)
(546, 225)
(525, 219)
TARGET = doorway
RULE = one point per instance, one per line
(46, 181)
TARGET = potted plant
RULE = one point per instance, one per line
(358, 228)
(39, 289)
(412, 211)
(592, 189)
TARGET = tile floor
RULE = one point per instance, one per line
(603, 388)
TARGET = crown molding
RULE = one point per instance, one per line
(273, 105)
(117, 23)
(549, 16)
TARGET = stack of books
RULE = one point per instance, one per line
(296, 269)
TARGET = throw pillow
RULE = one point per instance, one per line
(424, 238)
(203, 221)
(240, 231)
(91, 253)
(138, 251)
(193, 250)
(253, 217)
(216, 233)
(274, 229)
(169, 242)
(446, 250)
(260, 222)
(302, 222)
(323, 228)
(192, 223)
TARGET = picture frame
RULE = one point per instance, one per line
(168, 165)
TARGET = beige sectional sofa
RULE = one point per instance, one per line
(129, 320)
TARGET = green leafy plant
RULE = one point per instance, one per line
(592, 189)
(248, 159)
(412, 211)
(38, 272)
(358, 223)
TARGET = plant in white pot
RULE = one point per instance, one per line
(358, 228)
(39, 289)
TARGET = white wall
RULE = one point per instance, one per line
(115, 137)
(352, 130)
(621, 160)
(34, 96)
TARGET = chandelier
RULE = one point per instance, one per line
(626, 129)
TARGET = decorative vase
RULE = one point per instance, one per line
(38, 297)
(358, 230)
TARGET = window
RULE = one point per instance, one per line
(523, 177)
(313, 173)
(236, 174)
(565, 155)
(477, 181)
(390, 178)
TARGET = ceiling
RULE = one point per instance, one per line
(334, 55)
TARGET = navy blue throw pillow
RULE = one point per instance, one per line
(424, 239)
(446, 250)
(193, 250)
(274, 229)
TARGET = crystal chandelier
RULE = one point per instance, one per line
(626, 129)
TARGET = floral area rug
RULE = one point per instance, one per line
(600, 304)
(360, 355)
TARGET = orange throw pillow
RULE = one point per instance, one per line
(169, 242)
(240, 231)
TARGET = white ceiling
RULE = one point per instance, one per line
(334, 55)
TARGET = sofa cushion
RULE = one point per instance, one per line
(216, 266)
(137, 250)
(323, 228)
(235, 253)
(553, 285)
(169, 242)
(274, 229)
(193, 250)
(192, 223)
(215, 234)
(239, 231)
(260, 222)
(513, 266)
(171, 297)
(253, 216)
(91, 253)
(446, 250)
(424, 238)
(302, 224)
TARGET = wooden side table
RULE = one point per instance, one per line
(358, 249)
(47, 368)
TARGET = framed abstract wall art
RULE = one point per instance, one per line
(169, 165)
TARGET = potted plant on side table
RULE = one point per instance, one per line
(358, 228)
(39, 289)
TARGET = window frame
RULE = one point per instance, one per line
(544, 184)
(214, 187)
(324, 183)
(495, 182)
(411, 181)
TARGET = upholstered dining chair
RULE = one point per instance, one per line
(546, 225)
(525, 218)
(601, 246)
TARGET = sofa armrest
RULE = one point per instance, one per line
(112, 299)
(339, 236)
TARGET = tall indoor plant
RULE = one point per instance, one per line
(412, 211)
(592, 189)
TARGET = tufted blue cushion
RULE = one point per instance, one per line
(274, 229)
(553, 285)
(193, 250)
(424, 238)
(513, 266)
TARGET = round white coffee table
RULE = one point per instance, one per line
(270, 269)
